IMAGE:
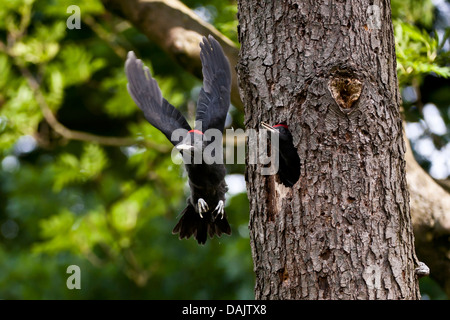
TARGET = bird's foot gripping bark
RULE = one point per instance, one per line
(220, 209)
(202, 207)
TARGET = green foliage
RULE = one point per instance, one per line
(40, 46)
(20, 113)
(77, 234)
(413, 12)
(58, 8)
(10, 10)
(418, 53)
(118, 105)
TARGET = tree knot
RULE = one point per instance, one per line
(345, 91)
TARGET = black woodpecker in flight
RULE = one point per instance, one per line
(289, 161)
(204, 214)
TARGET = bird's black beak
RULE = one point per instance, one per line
(268, 127)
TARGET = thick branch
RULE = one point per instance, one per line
(178, 31)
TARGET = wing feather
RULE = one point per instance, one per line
(148, 97)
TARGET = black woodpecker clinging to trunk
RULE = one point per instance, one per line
(204, 214)
(289, 161)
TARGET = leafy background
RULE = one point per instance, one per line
(110, 208)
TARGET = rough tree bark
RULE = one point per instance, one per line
(344, 230)
(430, 204)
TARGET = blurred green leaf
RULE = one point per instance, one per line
(58, 8)
(418, 12)
(78, 64)
(69, 169)
(120, 103)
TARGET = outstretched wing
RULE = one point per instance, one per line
(146, 94)
(214, 98)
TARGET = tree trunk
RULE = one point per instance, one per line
(343, 231)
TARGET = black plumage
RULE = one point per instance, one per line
(204, 214)
(289, 161)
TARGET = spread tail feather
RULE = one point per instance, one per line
(192, 224)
